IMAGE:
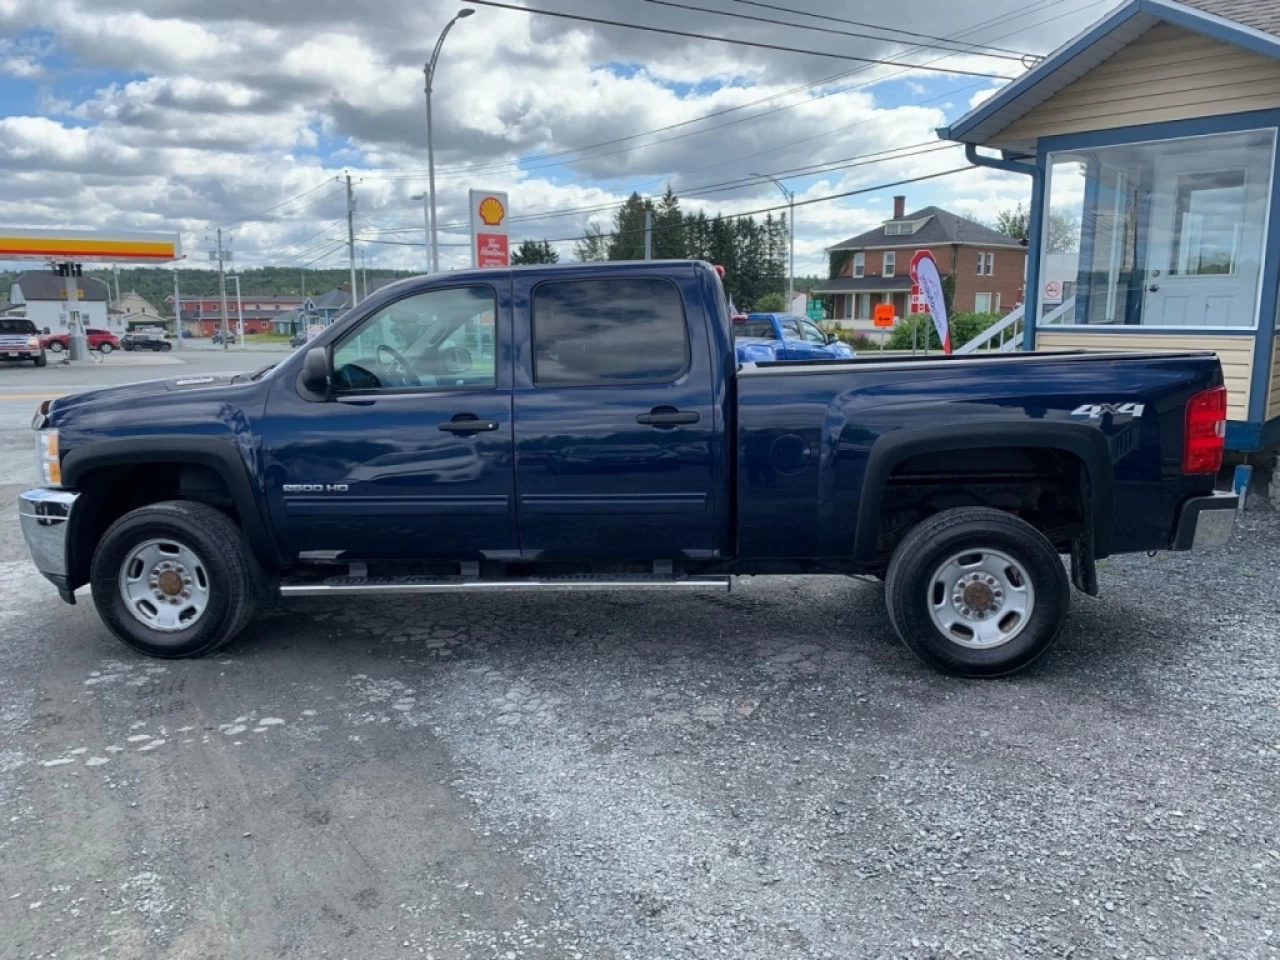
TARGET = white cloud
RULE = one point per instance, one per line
(212, 112)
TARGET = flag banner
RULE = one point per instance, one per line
(924, 274)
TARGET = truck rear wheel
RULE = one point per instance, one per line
(977, 592)
(175, 579)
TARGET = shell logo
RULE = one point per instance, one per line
(491, 211)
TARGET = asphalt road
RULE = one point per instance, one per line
(767, 774)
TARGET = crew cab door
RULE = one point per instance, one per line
(410, 455)
(615, 417)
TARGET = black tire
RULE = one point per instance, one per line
(236, 580)
(56, 346)
(42, 360)
(105, 348)
(126, 345)
(911, 589)
(165, 348)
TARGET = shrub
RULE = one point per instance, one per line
(770, 303)
(964, 327)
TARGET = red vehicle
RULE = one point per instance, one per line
(99, 339)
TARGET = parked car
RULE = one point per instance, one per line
(20, 340)
(99, 339)
(619, 445)
(788, 335)
(145, 341)
(298, 339)
(220, 337)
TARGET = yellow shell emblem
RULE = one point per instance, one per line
(492, 211)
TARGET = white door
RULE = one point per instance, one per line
(1208, 222)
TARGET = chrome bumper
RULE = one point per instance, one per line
(1205, 523)
(44, 515)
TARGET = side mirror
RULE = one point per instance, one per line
(315, 372)
(832, 338)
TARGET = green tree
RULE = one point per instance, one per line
(594, 247)
(772, 302)
(669, 241)
(627, 242)
(535, 251)
(1061, 236)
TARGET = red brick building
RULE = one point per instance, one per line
(202, 316)
(875, 267)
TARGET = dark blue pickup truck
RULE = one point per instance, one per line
(589, 426)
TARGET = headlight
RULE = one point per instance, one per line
(50, 466)
(33, 341)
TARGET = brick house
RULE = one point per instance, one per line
(202, 316)
(875, 267)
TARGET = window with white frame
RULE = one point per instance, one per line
(864, 306)
(991, 264)
(1163, 233)
(890, 260)
(986, 264)
(982, 303)
(859, 264)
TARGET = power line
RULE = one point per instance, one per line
(285, 203)
(798, 203)
(742, 43)
(1010, 55)
(875, 26)
(463, 171)
(830, 166)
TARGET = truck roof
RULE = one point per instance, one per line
(568, 269)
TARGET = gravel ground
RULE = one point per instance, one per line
(765, 774)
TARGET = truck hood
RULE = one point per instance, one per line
(148, 388)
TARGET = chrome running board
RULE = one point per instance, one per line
(370, 586)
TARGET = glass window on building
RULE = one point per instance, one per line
(1166, 233)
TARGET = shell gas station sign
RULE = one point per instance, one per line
(490, 238)
(84, 246)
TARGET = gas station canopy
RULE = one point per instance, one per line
(86, 246)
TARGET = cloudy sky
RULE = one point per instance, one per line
(164, 115)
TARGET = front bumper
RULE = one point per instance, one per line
(45, 515)
(1205, 523)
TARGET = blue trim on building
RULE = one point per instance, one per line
(1188, 18)
(1260, 382)
(1124, 329)
(1253, 435)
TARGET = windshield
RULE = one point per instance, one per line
(20, 325)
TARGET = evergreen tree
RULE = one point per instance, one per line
(669, 241)
(594, 247)
(627, 242)
(534, 251)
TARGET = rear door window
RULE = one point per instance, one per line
(761, 329)
(608, 331)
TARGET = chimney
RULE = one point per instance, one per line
(899, 207)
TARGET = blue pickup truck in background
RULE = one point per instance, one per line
(784, 336)
(590, 426)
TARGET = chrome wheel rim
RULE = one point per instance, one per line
(165, 585)
(981, 598)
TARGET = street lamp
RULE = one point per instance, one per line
(791, 200)
(426, 220)
(429, 72)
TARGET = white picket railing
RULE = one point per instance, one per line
(1006, 336)
(1002, 337)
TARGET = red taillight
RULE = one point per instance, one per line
(1206, 432)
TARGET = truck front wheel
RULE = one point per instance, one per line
(977, 592)
(175, 579)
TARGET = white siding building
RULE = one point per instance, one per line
(43, 295)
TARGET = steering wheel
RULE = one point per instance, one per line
(410, 378)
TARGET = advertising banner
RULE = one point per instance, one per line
(925, 276)
(490, 242)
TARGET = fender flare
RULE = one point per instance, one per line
(219, 455)
(1087, 443)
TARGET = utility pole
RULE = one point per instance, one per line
(364, 266)
(351, 240)
(177, 308)
(222, 287)
(239, 308)
(791, 202)
(115, 271)
(648, 234)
